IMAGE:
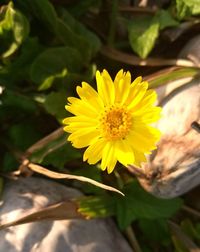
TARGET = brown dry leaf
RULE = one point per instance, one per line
(56, 175)
(60, 211)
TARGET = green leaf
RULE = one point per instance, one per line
(165, 19)
(9, 162)
(143, 33)
(17, 102)
(155, 230)
(164, 78)
(55, 104)
(187, 8)
(98, 206)
(40, 154)
(24, 134)
(60, 156)
(190, 229)
(54, 63)
(197, 228)
(74, 34)
(12, 74)
(89, 38)
(81, 7)
(47, 83)
(138, 204)
(43, 10)
(178, 244)
(92, 172)
(14, 28)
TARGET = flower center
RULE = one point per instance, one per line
(115, 123)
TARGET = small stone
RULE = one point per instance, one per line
(97, 235)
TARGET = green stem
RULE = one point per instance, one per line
(113, 19)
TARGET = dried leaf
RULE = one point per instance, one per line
(59, 211)
(56, 175)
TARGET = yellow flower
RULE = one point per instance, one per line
(113, 123)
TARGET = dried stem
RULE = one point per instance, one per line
(191, 211)
(132, 239)
(134, 60)
(41, 143)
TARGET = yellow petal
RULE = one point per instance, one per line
(136, 81)
(122, 88)
(143, 138)
(80, 119)
(148, 100)
(108, 157)
(136, 94)
(118, 76)
(82, 137)
(147, 116)
(76, 126)
(88, 94)
(80, 107)
(105, 87)
(133, 90)
(139, 158)
(94, 152)
(124, 152)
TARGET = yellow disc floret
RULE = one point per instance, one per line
(115, 123)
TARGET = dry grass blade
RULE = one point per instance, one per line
(54, 135)
(191, 211)
(55, 175)
(132, 239)
(60, 211)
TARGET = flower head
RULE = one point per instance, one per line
(114, 121)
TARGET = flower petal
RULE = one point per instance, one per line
(82, 137)
(143, 138)
(94, 152)
(124, 152)
(105, 87)
(108, 157)
(147, 116)
(88, 94)
(139, 158)
(136, 94)
(122, 87)
(80, 107)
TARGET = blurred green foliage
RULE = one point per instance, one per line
(136, 205)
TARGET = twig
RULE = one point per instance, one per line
(130, 9)
(134, 60)
(191, 211)
(196, 126)
(132, 239)
(55, 134)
